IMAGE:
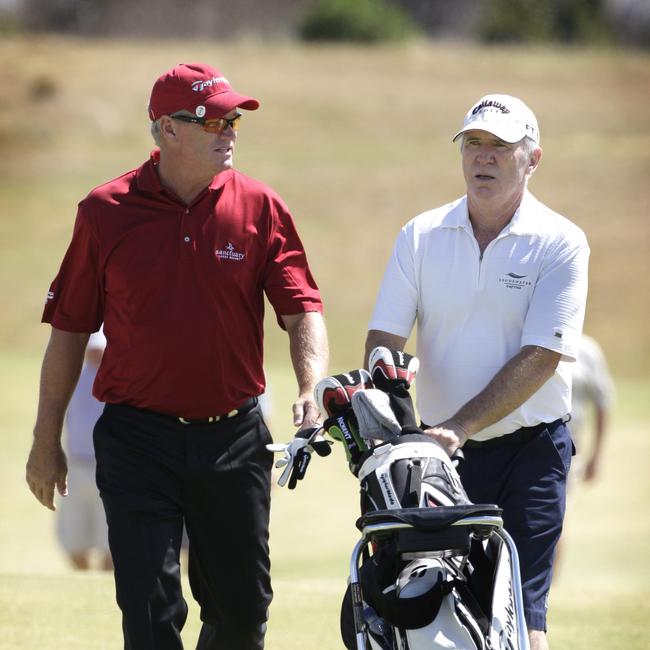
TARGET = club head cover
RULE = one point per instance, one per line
(391, 370)
(345, 429)
(375, 416)
(333, 395)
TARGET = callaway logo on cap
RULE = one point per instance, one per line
(504, 116)
(197, 88)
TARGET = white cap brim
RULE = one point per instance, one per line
(508, 132)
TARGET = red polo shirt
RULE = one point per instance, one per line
(180, 289)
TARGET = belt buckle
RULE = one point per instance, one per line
(213, 418)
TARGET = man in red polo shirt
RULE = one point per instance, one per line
(175, 258)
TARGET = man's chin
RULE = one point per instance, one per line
(223, 166)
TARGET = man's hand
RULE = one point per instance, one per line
(46, 465)
(46, 468)
(591, 470)
(450, 434)
(305, 412)
(520, 378)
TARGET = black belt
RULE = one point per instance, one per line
(518, 437)
(240, 410)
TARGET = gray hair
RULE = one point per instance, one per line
(155, 127)
(530, 146)
(155, 132)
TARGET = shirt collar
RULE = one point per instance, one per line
(149, 181)
(458, 216)
(523, 221)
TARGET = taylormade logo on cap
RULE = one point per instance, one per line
(198, 86)
(504, 116)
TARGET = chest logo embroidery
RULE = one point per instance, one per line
(514, 281)
(229, 253)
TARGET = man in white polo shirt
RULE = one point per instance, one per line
(497, 284)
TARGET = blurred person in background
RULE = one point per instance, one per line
(175, 259)
(81, 522)
(591, 402)
(497, 284)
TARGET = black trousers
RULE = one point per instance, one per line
(155, 473)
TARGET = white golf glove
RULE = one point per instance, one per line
(297, 454)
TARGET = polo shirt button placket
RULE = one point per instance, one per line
(187, 239)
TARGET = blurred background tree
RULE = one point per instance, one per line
(361, 21)
(621, 22)
(567, 21)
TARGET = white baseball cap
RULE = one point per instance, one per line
(504, 116)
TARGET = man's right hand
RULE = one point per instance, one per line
(450, 435)
(46, 468)
(46, 465)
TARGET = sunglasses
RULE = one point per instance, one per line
(217, 125)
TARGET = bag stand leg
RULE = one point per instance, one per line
(357, 596)
(522, 629)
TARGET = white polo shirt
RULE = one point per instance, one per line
(474, 313)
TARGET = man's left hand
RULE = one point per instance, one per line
(305, 412)
(591, 470)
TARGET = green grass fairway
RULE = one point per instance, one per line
(357, 141)
(600, 601)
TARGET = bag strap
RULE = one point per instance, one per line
(468, 599)
(415, 484)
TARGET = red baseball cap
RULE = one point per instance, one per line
(198, 88)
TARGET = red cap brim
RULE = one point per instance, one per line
(219, 104)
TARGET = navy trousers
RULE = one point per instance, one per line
(155, 474)
(525, 473)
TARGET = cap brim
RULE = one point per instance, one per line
(505, 132)
(219, 104)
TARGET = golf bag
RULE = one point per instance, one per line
(428, 576)
(431, 570)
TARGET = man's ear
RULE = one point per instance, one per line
(534, 159)
(167, 127)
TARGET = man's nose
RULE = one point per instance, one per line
(485, 154)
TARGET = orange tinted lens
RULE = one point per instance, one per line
(215, 126)
(220, 124)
